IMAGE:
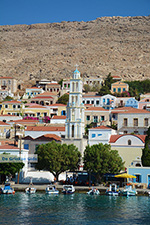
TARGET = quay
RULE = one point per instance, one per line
(79, 189)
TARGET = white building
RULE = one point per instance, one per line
(100, 134)
(58, 120)
(37, 131)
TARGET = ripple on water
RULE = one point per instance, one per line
(74, 209)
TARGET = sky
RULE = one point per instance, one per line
(50, 11)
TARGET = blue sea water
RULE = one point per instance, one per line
(81, 209)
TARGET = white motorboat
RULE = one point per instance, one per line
(68, 189)
(112, 191)
(128, 191)
(7, 189)
(30, 190)
(51, 190)
(93, 191)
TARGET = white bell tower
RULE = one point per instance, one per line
(75, 109)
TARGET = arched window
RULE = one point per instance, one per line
(72, 130)
(129, 142)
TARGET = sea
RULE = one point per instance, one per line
(79, 208)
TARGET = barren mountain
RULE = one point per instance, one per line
(120, 45)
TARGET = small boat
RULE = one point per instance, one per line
(7, 189)
(51, 190)
(128, 191)
(112, 191)
(93, 191)
(30, 190)
(68, 189)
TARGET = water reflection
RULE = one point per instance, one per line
(40, 208)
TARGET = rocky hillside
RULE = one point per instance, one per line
(120, 45)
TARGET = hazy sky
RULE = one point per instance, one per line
(49, 11)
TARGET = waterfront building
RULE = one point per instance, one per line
(37, 131)
(12, 107)
(131, 120)
(57, 109)
(35, 110)
(45, 98)
(132, 102)
(119, 87)
(144, 103)
(32, 92)
(31, 143)
(97, 115)
(58, 120)
(99, 135)
(142, 176)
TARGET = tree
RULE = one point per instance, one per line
(60, 82)
(100, 159)
(104, 90)
(9, 169)
(146, 151)
(87, 88)
(63, 99)
(57, 158)
(108, 81)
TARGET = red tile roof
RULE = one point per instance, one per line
(114, 138)
(4, 124)
(101, 128)
(48, 137)
(8, 147)
(12, 102)
(129, 110)
(44, 128)
(58, 104)
(58, 117)
(96, 109)
(7, 78)
(42, 97)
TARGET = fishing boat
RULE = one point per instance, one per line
(30, 190)
(68, 189)
(129, 191)
(51, 190)
(7, 189)
(93, 191)
(112, 191)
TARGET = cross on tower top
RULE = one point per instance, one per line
(76, 66)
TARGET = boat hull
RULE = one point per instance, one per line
(111, 193)
(32, 191)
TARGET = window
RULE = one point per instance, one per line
(88, 102)
(14, 106)
(6, 106)
(68, 85)
(45, 114)
(18, 106)
(95, 119)
(146, 122)
(92, 102)
(129, 142)
(38, 113)
(138, 178)
(114, 89)
(87, 118)
(124, 89)
(99, 135)
(135, 122)
(103, 99)
(125, 131)
(93, 135)
(97, 102)
(83, 102)
(119, 90)
(135, 132)
(102, 118)
(26, 146)
(125, 122)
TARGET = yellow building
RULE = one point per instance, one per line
(11, 108)
(36, 110)
(119, 87)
